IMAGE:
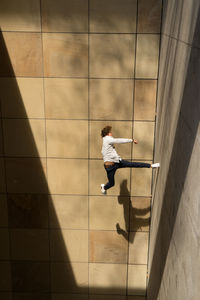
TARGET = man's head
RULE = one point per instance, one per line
(106, 131)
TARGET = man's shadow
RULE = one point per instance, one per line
(133, 221)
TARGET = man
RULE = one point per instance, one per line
(112, 161)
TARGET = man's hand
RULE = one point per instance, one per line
(135, 141)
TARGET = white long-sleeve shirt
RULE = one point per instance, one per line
(108, 150)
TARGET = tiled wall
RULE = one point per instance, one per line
(174, 245)
(68, 68)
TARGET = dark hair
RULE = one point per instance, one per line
(106, 130)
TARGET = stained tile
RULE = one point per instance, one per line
(106, 297)
(107, 278)
(136, 298)
(69, 277)
(26, 175)
(24, 137)
(66, 98)
(1, 140)
(67, 138)
(113, 16)
(144, 133)
(111, 99)
(6, 295)
(2, 176)
(28, 211)
(69, 212)
(68, 176)
(101, 212)
(22, 97)
(31, 277)
(62, 296)
(98, 176)
(112, 56)
(107, 247)
(4, 242)
(145, 100)
(65, 15)
(147, 55)
(5, 276)
(140, 214)
(29, 244)
(69, 245)
(137, 279)
(141, 182)
(22, 15)
(138, 247)
(65, 55)
(149, 16)
(31, 296)
(3, 211)
(21, 47)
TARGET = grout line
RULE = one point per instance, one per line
(79, 32)
(65, 119)
(45, 129)
(88, 198)
(155, 128)
(77, 78)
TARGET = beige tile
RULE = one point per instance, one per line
(67, 138)
(140, 214)
(2, 176)
(69, 245)
(119, 130)
(69, 212)
(137, 280)
(3, 211)
(26, 175)
(29, 244)
(28, 210)
(22, 15)
(106, 297)
(144, 133)
(112, 55)
(145, 99)
(147, 56)
(66, 98)
(108, 247)
(141, 182)
(4, 242)
(69, 277)
(101, 212)
(107, 278)
(138, 247)
(65, 15)
(149, 16)
(68, 176)
(65, 55)
(5, 276)
(111, 99)
(22, 97)
(69, 296)
(29, 276)
(24, 54)
(113, 16)
(24, 137)
(98, 176)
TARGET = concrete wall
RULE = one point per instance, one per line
(174, 244)
(68, 68)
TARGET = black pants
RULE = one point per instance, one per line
(122, 164)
